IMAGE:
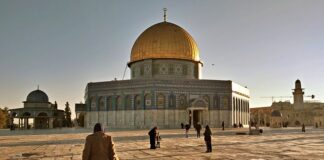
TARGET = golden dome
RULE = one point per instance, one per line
(165, 40)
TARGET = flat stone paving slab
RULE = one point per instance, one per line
(287, 143)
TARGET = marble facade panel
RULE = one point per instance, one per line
(129, 118)
(120, 118)
(160, 117)
(139, 118)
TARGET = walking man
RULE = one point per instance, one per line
(223, 125)
(187, 127)
(99, 146)
(303, 128)
(198, 129)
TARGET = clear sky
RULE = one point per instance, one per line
(62, 45)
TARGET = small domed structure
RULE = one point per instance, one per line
(276, 119)
(276, 113)
(37, 96)
(37, 107)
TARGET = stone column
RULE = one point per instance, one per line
(34, 122)
(11, 122)
(25, 123)
(239, 112)
(50, 121)
(234, 112)
(192, 125)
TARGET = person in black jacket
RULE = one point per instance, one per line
(303, 128)
(207, 135)
(198, 128)
(223, 125)
(152, 135)
(187, 127)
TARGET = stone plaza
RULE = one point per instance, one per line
(287, 143)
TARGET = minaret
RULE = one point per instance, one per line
(298, 96)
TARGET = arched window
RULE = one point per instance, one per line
(200, 104)
(206, 98)
(225, 102)
(137, 102)
(109, 104)
(172, 101)
(26, 114)
(160, 101)
(93, 104)
(128, 102)
(216, 101)
(14, 114)
(42, 114)
(182, 101)
(148, 100)
(118, 103)
(101, 104)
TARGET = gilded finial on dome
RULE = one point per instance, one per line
(164, 16)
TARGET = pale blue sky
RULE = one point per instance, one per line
(62, 45)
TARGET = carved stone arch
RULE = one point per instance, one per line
(183, 101)
(101, 105)
(14, 114)
(93, 104)
(160, 98)
(26, 114)
(148, 101)
(215, 102)
(172, 101)
(207, 99)
(109, 105)
(118, 103)
(41, 120)
(137, 102)
(42, 114)
(128, 102)
(199, 103)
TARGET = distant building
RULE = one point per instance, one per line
(37, 107)
(286, 114)
(79, 113)
(165, 88)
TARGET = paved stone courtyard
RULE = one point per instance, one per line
(288, 143)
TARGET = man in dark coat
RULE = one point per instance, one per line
(207, 135)
(198, 128)
(303, 128)
(187, 127)
(223, 125)
(152, 135)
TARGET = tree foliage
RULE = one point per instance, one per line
(4, 118)
(67, 113)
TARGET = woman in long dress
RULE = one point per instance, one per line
(207, 135)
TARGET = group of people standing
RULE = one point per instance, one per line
(198, 127)
(101, 146)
